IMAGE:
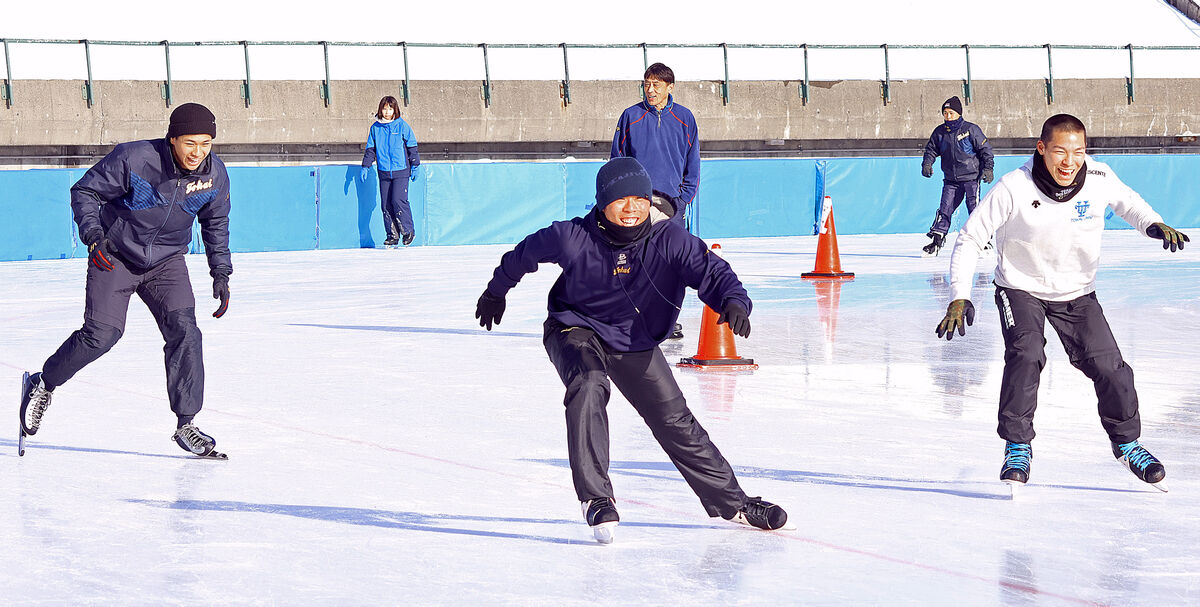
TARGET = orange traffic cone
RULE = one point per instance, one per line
(716, 348)
(829, 264)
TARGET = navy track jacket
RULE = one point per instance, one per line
(667, 143)
(629, 295)
(146, 205)
(964, 150)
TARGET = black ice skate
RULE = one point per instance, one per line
(677, 333)
(763, 514)
(1143, 465)
(408, 238)
(935, 245)
(35, 398)
(602, 517)
(1018, 458)
(192, 440)
(391, 241)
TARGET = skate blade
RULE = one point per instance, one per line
(788, 525)
(1160, 485)
(213, 455)
(21, 421)
(604, 532)
(21, 442)
(1014, 488)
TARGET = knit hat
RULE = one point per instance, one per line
(192, 119)
(621, 177)
(953, 103)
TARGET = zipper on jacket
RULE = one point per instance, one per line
(170, 207)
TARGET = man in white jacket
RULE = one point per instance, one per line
(1047, 217)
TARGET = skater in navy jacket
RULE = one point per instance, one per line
(622, 283)
(135, 210)
(966, 160)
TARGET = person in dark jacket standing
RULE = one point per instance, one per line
(623, 280)
(392, 143)
(135, 209)
(966, 159)
(663, 136)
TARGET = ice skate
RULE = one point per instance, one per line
(408, 238)
(763, 515)
(192, 440)
(391, 241)
(1143, 465)
(1018, 457)
(935, 245)
(602, 517)
(677, 333)
(35, 398)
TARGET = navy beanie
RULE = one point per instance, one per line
(192, 119)
(621, 177)
(953, 103)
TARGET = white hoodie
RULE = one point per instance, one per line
(1048, 249)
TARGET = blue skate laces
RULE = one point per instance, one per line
(1018, 455)
(1137, 455)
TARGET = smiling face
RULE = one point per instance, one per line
(628, 212)
(191, 150)
(950, 115)
(656, 92)
(1064, 154)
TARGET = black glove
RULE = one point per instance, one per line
(958, 311)
(221, 292)
(489, 309)
(738, 318)
(1171, 237)
(927, 170)
(988, 176)
(98, 251)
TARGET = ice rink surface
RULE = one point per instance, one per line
(386, 450)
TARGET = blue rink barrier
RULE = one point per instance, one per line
(332, 207)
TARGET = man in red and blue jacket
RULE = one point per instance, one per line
(622, 284)
(663, 136)
(135, 210)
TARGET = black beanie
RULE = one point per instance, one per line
(953, 103)
(621, 177)
(192, 119)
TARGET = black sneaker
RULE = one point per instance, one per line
(1018, 457)
(408, 238)
(1140, 462)
(35, 398)
(762, 514)
(602, 517)
(677, 333)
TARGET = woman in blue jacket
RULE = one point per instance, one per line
(392, 143)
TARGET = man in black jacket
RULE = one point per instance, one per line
(135, 209)
(966, 159)
(623, 280)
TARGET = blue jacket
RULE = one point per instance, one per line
(667, 143)
(146, 205)
(393, 144)
(964, 150)
(629, 295)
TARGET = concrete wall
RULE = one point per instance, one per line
(54, 113)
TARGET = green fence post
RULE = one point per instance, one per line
(725, 84)
(326, 94)
(1050, 77)
(887, 77)
(87, 88)
(404, 89)
(7, 90)
(1129, 82)
(967, 82)
(804, 83)
(166, 92)
(487, 78)
(246, 82)
(566, 76)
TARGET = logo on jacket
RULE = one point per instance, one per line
(196, 186)
(1036, 204)
(622, 264)
(1081, 207)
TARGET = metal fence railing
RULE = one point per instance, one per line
(88, 88)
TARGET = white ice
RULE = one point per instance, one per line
(386, 450)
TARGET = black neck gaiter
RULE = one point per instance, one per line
(620, 235)
(1047, 185)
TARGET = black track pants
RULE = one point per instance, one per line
(645, 379)
(1089, 344)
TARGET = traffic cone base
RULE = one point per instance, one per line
(716, 348)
